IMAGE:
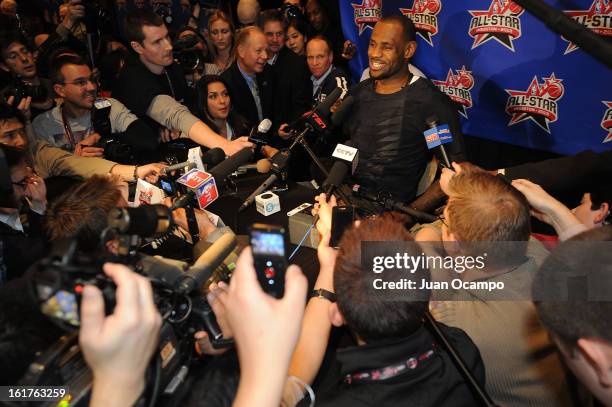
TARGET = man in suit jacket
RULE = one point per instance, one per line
(249, 86)
(288, 71)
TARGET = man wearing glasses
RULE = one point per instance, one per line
(70, 125)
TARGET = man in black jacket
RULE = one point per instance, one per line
(290, 77)
(249, 86)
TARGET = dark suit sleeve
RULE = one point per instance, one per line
(564, 174)
(141, 136)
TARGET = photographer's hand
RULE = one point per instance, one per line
(85, 147)
(265, 329)
(118, 347)
(76, 11)
(23, 106)
(203, 344)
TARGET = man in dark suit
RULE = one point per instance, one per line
(288, 71)
(249, 86)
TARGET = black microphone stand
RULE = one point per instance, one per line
(278, 167)
(300, 139)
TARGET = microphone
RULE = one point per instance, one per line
(263, 166)
(204, 266)
(342, 110)
(187, 165)
(437, 136)
(212, 157)
(258, 134)
(278, 164)
(183, 200)
(206, 186)
(317, 119)
(336, 176)
(221, 171)
(391, 204)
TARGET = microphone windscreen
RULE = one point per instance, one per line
(342, 110)
(263, 166)
(213, 157)
(336, 174)
(231, 164)
(324, 107)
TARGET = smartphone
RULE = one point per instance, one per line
(269, 246)
(342, 219)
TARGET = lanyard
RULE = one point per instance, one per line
(67, 128)
(390, 371)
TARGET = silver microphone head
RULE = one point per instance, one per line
(264, 126)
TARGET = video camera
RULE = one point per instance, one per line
(57, 284)
(96, 15)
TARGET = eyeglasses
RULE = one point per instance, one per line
(82, 82)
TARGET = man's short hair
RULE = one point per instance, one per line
(485, 208)
(366, 314)
(55, 73)
(10, 113)
(578, 317)
(488, 215)
(136, 20)
(244, 35)
(82, 211)
(324, 39)
(271, 15)
(408, 29)
(8, 38)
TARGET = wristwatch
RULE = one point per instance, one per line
(323, 293)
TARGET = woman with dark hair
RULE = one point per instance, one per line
(215, 108)
(222, 40)
(296, 36)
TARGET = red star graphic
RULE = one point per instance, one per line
(537, 90)
(497, 7)
(599, 7)
(364, 5)
(607, 124)
(420, 7)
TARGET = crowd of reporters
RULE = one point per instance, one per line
(78, 122)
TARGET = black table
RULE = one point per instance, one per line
(227, 208)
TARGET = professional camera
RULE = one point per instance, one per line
(189, 58)
(291, 11)
(21, 90)
(96, 15)
(178, 293)
(114, 148)
(164, 11)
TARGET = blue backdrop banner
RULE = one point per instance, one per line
(512, 78)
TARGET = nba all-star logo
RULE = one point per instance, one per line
(538, 103)
(606, 122)
(457, 86)
(500, 22)
(424, 15)
(597, 18)
(367, 14)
